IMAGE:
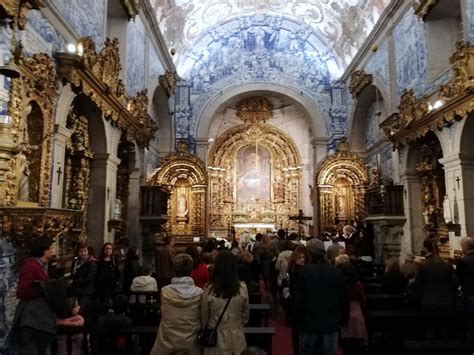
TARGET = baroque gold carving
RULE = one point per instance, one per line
(36, 86)
(97, 76)
(19, 9)
(359, 81)
(462, 62)
(342, 180)
(185, 175)
(423, 7)
(21, 226)
(255, 109)
(224, 206)
(132, 7)
(415, 120)
(168, 82)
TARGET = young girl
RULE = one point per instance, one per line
(70, 317)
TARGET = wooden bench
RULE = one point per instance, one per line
(255, 336)
(438, 347)
(256, 312)
(390, 302)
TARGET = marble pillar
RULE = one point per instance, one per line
(61, 135)
(133, 210)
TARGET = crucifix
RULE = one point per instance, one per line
(108, 193)
(59, 172)
(300, 218)
(457, 180)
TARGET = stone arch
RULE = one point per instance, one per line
(341, 180)
(65, 100)
(317, 122)
(362, 105)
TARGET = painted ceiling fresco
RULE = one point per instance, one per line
(344, 24)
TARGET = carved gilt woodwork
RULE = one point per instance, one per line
(423, 7)
(255, 109)
(168, 82)
(359, 81)
(131, 7)
(19, 9)
(78, 168)
(342, 181)
(97, 76)
(35, 89)
(22, 225)
(415, 119)
(285, 178)
(186, 177)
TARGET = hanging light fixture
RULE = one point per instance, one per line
(11, 70)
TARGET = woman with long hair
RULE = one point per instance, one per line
(131, 268)
(298, 259)
(108, 274)
(224, 288)
(200, 274)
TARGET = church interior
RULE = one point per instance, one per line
(128, 121)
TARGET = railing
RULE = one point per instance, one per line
(154, 201)
(385, 200)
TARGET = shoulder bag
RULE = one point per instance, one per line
(208, 337)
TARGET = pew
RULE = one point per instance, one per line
(255, 336)
(438, 347)
(391, 302)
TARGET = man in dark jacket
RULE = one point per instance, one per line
(465, 272)
(35, 322)
(164, 262)
(319, 303)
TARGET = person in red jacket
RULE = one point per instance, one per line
(35, 322)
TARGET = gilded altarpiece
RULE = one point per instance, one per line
(185, 176)
(254, 177)
(342, 181)
(27, 177)
(78, 167)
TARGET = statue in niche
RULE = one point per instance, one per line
(23, 172)
(448, 217)
(118, 209)
(181, 207)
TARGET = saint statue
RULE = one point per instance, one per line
(447, 210)
(182, 206)
(23, 172)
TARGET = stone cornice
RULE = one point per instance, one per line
(423, 7)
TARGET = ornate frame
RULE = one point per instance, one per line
(359, 81)
(286, 177)
(37, 84)
(172, 171)
(346, 165)
(13, 8)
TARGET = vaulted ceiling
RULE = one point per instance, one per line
(343, 24)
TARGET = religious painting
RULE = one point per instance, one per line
(253, 174)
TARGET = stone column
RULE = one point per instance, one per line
(101, 198)
(201, 149)
(61, 135)
(320, 151)
(413, 228)
(459, 174)
(133, 210)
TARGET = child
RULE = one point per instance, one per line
(70, 317)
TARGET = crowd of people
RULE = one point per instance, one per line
(209, 286)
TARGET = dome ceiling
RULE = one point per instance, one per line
(344, 24)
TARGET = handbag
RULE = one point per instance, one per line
(207, 337)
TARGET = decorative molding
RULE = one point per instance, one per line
(131, 7)
(19, 8)
(342, 180)
(359, 81)
(415, 119)
(97, 76)
(423, 7)
(168, 82)
(254, 110)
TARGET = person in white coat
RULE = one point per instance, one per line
(143, 283)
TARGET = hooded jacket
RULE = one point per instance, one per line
(180, 318)
(143, 283)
